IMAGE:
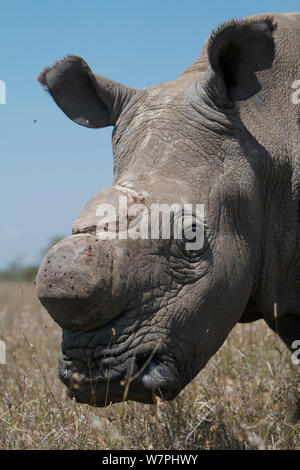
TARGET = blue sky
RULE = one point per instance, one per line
(51, 168)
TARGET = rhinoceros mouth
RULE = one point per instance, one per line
(117, 362)
(141, 378)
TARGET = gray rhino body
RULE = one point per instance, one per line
(141, 318)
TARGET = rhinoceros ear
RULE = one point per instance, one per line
(238, 49)
(88, 99)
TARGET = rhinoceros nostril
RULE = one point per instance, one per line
(146, 362)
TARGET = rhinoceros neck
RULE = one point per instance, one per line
(271, 118)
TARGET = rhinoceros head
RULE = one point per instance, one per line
(143, 310)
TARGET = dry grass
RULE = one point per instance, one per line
(246, 398)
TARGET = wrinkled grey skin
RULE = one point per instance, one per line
(141, 318)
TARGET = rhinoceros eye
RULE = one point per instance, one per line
(193, 239)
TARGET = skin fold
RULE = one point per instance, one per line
(141, 317)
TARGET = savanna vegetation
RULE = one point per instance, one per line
(247, 397)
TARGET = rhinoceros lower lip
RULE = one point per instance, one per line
(107, 392)
(155, 380)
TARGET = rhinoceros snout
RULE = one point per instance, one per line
(73, 282)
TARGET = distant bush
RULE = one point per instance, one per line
(16, 271)
(21, 273)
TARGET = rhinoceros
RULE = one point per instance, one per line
(142, 316)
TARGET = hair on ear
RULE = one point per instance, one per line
(87, 98)
(238, 49)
